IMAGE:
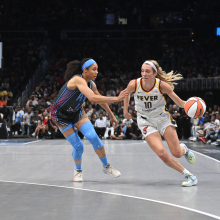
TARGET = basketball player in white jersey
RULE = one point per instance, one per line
(153, 120)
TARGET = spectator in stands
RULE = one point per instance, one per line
(209, 128)
(34, 121)
(128, 124)
(41, 125)
(100, 126)
(16, 121)
(135, 132)
(5, 84)
(3, 92)
(109, 128)
(2, 101)
(38, 93)
(89, 113)
(20, 109)
(6, 113)
(33, 100)
(198, 125)
(93, 118)
(25, 124)
(206, 119)
(120, 131)
(51, 129)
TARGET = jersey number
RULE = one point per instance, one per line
(148, 104)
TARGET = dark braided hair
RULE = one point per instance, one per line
(74, 68)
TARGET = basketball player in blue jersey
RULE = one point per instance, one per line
(67, 112)
(153, 120)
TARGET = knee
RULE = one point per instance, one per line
(177, 154)
(163, 155)
(93, 138)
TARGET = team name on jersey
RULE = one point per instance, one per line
(147, 98)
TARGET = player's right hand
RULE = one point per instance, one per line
(127, 116)
(123, 94)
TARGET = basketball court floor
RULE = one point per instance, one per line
(36, 183)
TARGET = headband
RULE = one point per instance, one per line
(88, 63)
(150, 63)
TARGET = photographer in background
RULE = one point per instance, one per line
(120, 131)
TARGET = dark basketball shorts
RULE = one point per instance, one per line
(65, 120)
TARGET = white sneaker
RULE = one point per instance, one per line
(78, 176)
(194, 139)
(190, 180)
(209, 142)
(190, 138)
(111, 171)
(33, 135)
(213, 143)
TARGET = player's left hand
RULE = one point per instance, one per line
(114, 121)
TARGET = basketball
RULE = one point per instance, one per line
(195, 107)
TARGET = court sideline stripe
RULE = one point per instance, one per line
(32, 142)
(118, 194)
(206, 156)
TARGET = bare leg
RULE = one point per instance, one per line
(155, 142)
(172, 140)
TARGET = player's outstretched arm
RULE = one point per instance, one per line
(166, 88)
(130, 88)
(80, 83)
(113, 120)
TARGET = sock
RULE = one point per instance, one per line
(185, 149)
(104, 160)
(78, 166)
(186, 172)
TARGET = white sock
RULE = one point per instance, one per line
(185, 172)
(182, 145)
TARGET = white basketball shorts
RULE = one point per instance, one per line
(151, 125)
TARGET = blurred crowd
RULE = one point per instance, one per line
(71, 14)
(119, 61)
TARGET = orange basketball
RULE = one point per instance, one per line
(195, 107)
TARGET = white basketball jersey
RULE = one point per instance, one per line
(149, 103)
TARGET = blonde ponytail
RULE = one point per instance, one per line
(169, 78)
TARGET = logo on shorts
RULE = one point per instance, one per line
(145, 130)
(172, 121)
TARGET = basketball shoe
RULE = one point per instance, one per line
(190, 180)
(78, 176)
(111, 171)
(203, 139)
(190, 157)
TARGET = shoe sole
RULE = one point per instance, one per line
(193, 184)
(77, 180)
